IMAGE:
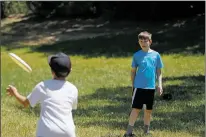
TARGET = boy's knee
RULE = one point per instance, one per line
(148, 112)
(136, 110)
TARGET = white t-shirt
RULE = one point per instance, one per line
(57, 99)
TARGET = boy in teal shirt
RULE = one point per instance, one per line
(146, 67)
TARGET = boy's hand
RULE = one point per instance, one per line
(11, 90)
(159, 90)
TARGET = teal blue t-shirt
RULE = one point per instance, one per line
(146, 63)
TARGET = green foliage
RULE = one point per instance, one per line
(131, 10)
(15, 7)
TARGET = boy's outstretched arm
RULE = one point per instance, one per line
(12, 91)
(159, 80)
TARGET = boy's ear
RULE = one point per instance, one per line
(150, 41)
(53, 72)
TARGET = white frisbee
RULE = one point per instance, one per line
(20, 62)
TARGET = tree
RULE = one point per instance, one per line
(2, 9)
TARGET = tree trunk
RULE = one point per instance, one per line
(2, 10)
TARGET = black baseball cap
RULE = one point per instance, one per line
(60, 63)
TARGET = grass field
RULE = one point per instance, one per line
(103, 81)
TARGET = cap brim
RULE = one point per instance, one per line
(49, 58)
(56, 55)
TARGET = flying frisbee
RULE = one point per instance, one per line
(20, 62)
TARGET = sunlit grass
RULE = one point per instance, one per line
(105, 95)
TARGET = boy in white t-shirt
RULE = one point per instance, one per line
(57, 98)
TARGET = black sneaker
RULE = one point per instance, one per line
(129, 135)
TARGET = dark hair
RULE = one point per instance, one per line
(59, 74)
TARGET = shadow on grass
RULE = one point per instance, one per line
(186, 39)
(34, 28)
(191, 86)
(186, 36)
(189, 119)
(115, 113)
(112, 45)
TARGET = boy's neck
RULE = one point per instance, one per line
(147, 50)
(59, 78)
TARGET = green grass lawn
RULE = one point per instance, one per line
(105, 96)
(101, 72)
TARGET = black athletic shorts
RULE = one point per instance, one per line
(143, 96)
